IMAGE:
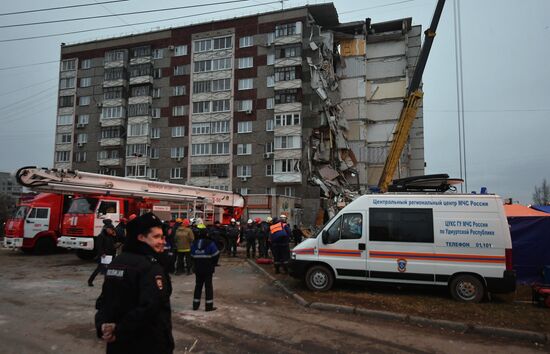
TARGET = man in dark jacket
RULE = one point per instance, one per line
(233, 232)
(280, 237)
(218, 234)
(263, 236)
(205, 255)
(105, 248)
(250, 234)
(134, 314)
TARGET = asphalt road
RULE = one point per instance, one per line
(46, 307)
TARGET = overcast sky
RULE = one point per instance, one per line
(505, 54)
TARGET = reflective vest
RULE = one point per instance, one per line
(276, 228)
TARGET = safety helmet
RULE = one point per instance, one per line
(185, 222)
(257, 220)
(249, 221)
(180, 220)
(269, 219)
(232, 220)
(283, 216)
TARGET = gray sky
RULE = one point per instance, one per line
(505, 47)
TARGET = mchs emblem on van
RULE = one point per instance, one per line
(402, 265)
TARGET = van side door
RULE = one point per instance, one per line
(344, 248)
(401, 245)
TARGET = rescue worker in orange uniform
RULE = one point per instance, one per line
(279, 235)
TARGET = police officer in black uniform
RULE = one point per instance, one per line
(134, 314)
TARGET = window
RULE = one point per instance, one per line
(202, 66)
(287, 142)
(136, 171)
(288, 29)
(86, 64)
(175, 173)
(270, 103)
(137, 150)
(115, 55)
(139, 91)
(155, 152)
(244, 127)
(270, 38)
(222, 43)
(286, 96)
(202, 86)
(221, 106)
(153, 173)
(66, 83)
(80, 156)
(244, 171)
(244, 106)
(66, 101)
(156, 92)
(82, 138)
(401, 225)
(65, 119)
(269, 171)
(178, 131)
(110, 133)
(202, 45)
(179, 70)
(139, 129)
(201, 107)
(346, 227)
(62, 156)
(288, 52)
(69, 64)
(84, 100)
(157, 73)
(269, 125)
(178, 111)
(289, 192)
(180, 50)
(112, 112)
(221, 85)
(114, 74)
(141, 70)
(200, 149)
(155, 133)
(176, 152)
(214, 170)
(200, 128)
(246, 84)
(221, 64)
(246, 63)
(139, 109)
(86, 82)
(64, 138)
(83, 119)
(178, 90)
(111, 93)
(287, 119)
(287, 166)
(285, 74)
(220, 127)
(246, 42)
(244, 149)
(269, 190)
(155, 112)
(244, 191)
(220, 148)
(158, 53)
(270, 81)
(270, 59)
(143, 51)
(268, 147)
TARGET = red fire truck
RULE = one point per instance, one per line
(102, 197)
(36, 223)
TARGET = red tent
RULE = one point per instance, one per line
(517, 210)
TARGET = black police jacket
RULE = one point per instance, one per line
(136, 297)
(105, 244)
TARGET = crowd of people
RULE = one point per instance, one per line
(138, 256)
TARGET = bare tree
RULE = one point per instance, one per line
(542, 194)
(7, 204)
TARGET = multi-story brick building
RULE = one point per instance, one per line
(286, 103)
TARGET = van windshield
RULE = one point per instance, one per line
(83, 206)
(20, 212)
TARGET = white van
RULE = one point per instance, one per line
(460, 241)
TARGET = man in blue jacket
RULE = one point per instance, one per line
(279, 236)
(205, 255)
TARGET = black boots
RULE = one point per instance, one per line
(210, 307)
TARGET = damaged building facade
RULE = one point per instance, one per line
(290, 108)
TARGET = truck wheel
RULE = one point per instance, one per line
(467, 288)
(319, 278)
(44, 246)
(85, 254)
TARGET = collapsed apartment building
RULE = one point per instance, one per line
(291, 108)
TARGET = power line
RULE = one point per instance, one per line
(25, 65)
(375, 7)
(489, 110)
(59, 8)
(134, 24)
(34, 95)
(26, 87)
(121, 14)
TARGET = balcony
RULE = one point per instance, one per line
(145, 139)
(137, 160)
(112, 162)
(293, 61)
(114, 83)
(294, 177)
(140, 80)
(288, 84)
(288, 107)
(115, 64)
(141, 60)
(140, 99)
(111, 122)
(110, 142)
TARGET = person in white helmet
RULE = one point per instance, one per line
(250, 234)
(233, 232)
